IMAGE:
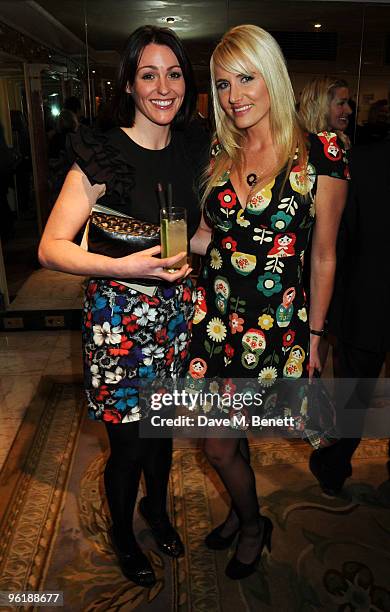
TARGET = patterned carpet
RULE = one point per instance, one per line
(328, 554)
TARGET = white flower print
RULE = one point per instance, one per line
(267, 376)
(215, 259)
(103, 334)
(181, 342)
(145, 314)
(216, 329)
(113, 377)
(95, 376)
(151, 353)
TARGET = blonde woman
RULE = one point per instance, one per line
(268, 186)
(324, 107)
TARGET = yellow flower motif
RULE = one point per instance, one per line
(267, 376)
(240, 219)
(265, 321)
(215, 259)
(302, 314)
(216, 330)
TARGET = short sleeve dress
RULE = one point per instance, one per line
(130, 335)
(251, 318)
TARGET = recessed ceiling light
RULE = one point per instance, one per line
(170, 19)
(108, 82)
(93, 71)
(318, 25)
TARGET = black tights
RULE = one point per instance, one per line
(130, 456)
(231, 459)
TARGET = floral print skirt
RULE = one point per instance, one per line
(128, 336)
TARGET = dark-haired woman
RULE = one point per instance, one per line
(131, 334)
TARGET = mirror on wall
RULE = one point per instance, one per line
(41, 66)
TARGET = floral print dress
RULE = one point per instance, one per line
(251, 318)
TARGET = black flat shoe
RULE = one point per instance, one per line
(236, 569)
(134, 564)
(167, 538)
(215, 541)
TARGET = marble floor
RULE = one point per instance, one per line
(25, 357)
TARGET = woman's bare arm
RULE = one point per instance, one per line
(330, 202)
(201, 239)
(70, 212)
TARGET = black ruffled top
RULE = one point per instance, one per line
(131, 172)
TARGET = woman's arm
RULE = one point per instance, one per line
(71, 211)
(330, 202)
(201, 239)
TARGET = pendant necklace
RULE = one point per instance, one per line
(252, 179)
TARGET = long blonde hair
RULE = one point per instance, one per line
(314, 104)
(242, 50)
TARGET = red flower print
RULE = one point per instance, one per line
(170, 355)
(110, 415)
(161, 335)
(124, 347)
(91, 289)
(227, 198)
(288, 337)
(229, 351)
(88, 322)
(102, 393)
(187, 294)
(152, 301)
(229, 244)
(235, 323)
(130, 323)
(118, 285)
(228, 387)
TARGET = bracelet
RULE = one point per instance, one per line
(317, 332)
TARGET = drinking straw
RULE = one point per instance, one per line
(161, 199)
(169, 197)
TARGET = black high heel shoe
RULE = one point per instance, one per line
(134, 564)
(167, 538)
(216, 541)
(236, 569)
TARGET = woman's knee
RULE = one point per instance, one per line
(220, 453)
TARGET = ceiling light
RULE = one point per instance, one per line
(108, 82)
(170, 19)
(93, 71)
(318, 25)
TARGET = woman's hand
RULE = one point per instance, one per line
(144, 264)
(314, 361)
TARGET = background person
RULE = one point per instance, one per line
(363, 335)
(324, 107)
(130, 335)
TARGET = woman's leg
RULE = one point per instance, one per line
(121, 479)
(156, 466)
(238, 477)
(232, 522)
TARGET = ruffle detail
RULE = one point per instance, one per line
(102, 163)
